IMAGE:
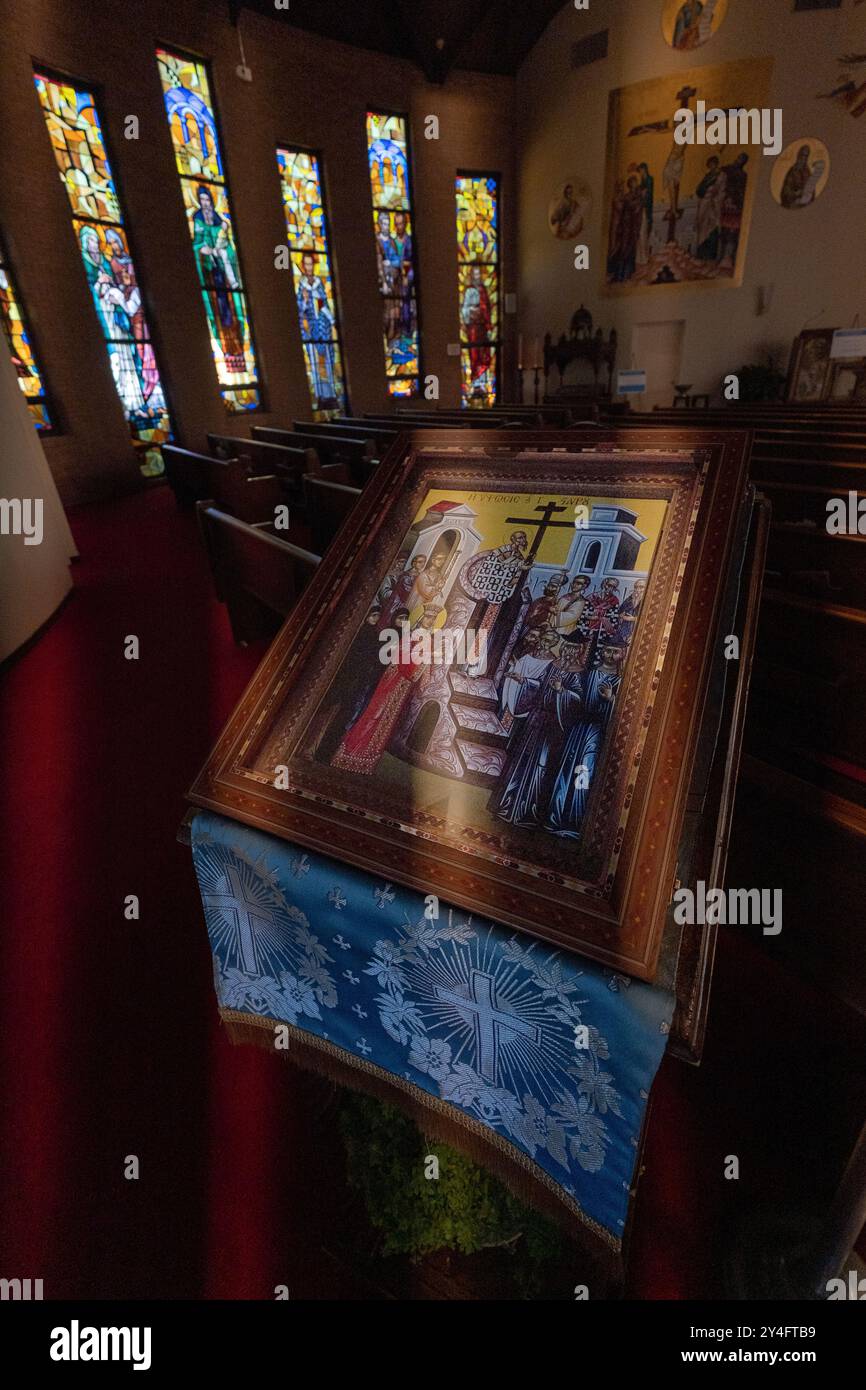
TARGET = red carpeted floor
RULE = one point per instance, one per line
(109, 1040)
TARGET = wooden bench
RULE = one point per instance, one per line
(354, 457)
(327, 506)
(189, 475)
(231, 482)
(256, 575)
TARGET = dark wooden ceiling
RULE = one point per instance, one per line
(438, 35)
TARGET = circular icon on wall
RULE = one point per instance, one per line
(688, 24)
(569, 209)
(800, 173)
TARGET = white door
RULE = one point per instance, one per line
(658, 348)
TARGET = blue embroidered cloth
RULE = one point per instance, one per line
(551, 1053)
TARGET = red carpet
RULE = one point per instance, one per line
(109, 1040)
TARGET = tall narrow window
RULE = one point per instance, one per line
(478, 281)
(307, 233)
(198, 155)
(388, 155)
(23, 358)
(97, 217)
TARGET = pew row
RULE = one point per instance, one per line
(256, 575)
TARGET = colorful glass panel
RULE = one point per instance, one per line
(307, 234)
(390, 182)
(23, 360)
(478, 286)
(76, 137)
(192, 122)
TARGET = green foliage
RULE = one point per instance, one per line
(465, 1209)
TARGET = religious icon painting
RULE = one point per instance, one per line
(491, 689)
(800, 174)
(687, 24)
(810, 366)
(569, 209)
(680, 213)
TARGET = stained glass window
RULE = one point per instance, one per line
(307, 234)
(97, 219)
(388, 155)
(478, 281)
(23, 360)
(198, 156)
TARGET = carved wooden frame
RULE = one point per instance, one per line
(611, 901)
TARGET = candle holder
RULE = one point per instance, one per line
(521, 370)
(537, 370)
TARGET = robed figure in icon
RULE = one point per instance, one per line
(710, 194)
(364, 743)
(220, 278)
(123, 271)
(317, 329)
(389, 265)
(477, 320)
(396, 591)
(687, 28)
(402, 241)
(627, 615)
(601, 610)
(796, 179)
(492, 577)
(115, 309)
(582, 710)
(519, 794)
(572, 612)
(733, 203)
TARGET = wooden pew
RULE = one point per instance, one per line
(382, 436)
(468, 420)
(256, 575)
(290, 462)
(354, 457)
(809, 682)
(231, 483)
(327, 506)
(190, 476)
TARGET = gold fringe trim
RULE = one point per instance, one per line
(436, 1119)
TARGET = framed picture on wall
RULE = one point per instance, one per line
(847, 381)
(492, 687)
(810, 366)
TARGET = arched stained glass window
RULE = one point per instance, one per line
(313, 278)
(391, 184)
(478, 281)
(198, 156)
(76, 137)
(23, 358)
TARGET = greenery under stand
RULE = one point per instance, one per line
(463, 1210)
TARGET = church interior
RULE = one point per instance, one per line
(432, 649)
